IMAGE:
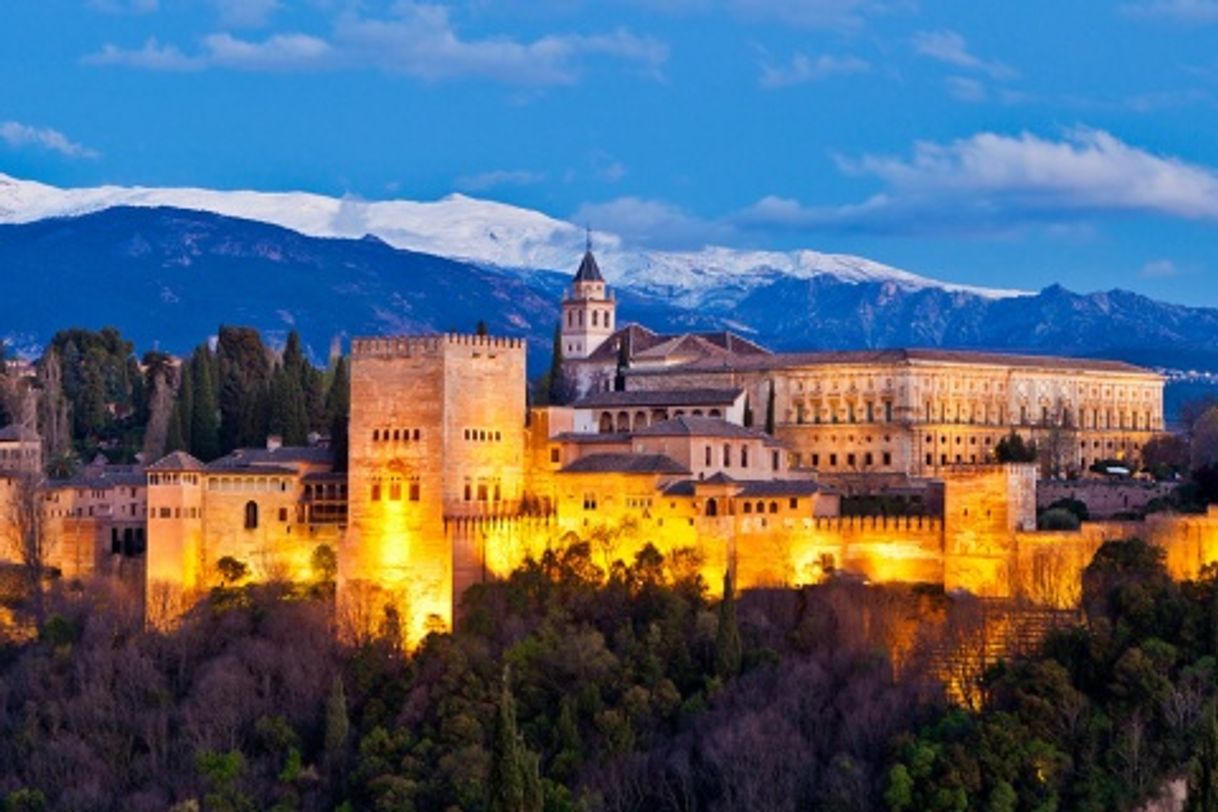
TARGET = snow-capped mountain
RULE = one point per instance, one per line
(486, 233)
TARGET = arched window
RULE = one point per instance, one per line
(773, 507)
(608, 319)
(606, 426)
(748, 507)
(712, 507)
(251, 515)
(727, 456)
(595, 317)
(623, 422)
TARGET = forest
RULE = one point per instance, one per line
(89, 394)
(566, 687)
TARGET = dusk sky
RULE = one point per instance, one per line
(1012, 144)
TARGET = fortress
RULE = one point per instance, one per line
(706, 443)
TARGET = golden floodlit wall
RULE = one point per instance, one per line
(436, 430)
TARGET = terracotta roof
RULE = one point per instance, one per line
(660, 397)
(900, 357)
(176, 461)
(107, 476)
(626, 464)
(284, 455)
(688, 426)
(644, 343)
(595, 438)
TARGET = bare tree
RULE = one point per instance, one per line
(33, 543)
(160, 411)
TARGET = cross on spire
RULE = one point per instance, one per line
(588, 241)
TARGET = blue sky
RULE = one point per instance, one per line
(1014, 144)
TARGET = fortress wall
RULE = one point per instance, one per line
(394, 555)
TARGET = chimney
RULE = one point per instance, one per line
(274, 442)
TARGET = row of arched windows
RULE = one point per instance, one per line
(394, 435)
(483, 435)
(600, 318)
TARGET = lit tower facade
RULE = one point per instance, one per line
(436, 436)
(588, 311)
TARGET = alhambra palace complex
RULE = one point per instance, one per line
(452, 480)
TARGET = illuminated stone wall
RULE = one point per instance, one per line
(918, 416)
(436, 431)
(175, 568)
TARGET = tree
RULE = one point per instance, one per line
(338, 725)
(231, 570)
(514, 784)
(164, 419)
(1204, 447)
(1165, 455)
(1203, 783)
(245, 376)
(557, 392)
(288, 415)
(204, 433)
(338, 412)
(769, 410)
(1013, 448)
(727, 636)
(324, 563)
(53, 417)
(34, 545)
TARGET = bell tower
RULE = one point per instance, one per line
(588, 311)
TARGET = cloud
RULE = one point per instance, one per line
(1181, 11)
(803, 69)
(418, 41)
(654, 223)
(151, 56)
(951, 48)
(993, 183)
(499, 177)
(125, 6)
(966, 90)
(19, 136)
(1159, 269)
(246, 13)
(810, 13)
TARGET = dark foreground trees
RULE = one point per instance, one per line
(566, 687)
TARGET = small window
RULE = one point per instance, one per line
(376, 492)
(283, 514)
(395, 491)
(794, 503)
(414, 491)
(251, 515)
(555, 454)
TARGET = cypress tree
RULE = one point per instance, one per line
(748, 412)
(338, 410)
(557, 378)
(184, 406)
(769, 410)
(204, 412)
(288, 416)
(514, 783)
(338, 724)
(623, 363)
(174, 439)
(727, 637)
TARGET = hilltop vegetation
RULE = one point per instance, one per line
(566, 687)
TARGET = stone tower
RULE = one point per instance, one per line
(588, 311)
(436, 434)
(174, 571)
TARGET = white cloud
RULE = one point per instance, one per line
(18, 136)
(654, 223)
(420, 40)
(151, 56)
(483, 181)
(278, 52)
(810, 13)
(803, 69)
(951, 48)
(1159, 269)
(246, 13)
(966, 90)
(1184, 11)
(125, 6)
(992, 182)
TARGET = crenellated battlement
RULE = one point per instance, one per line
(406, 346)
(929, 525)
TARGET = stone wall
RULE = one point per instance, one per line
(1104, 498)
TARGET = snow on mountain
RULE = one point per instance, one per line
(483, 232)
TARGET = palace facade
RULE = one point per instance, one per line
(706, 443)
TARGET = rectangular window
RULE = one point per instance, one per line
(283, 514)
(555, 454)
(414, 491)
(832, 460)
(887, 458)
(816, 460)
(888, 411)
(376, 492)
(794, 503)
(744, 456)
(774, 460)
(867, 459)
(850, 460)
(395, 492)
